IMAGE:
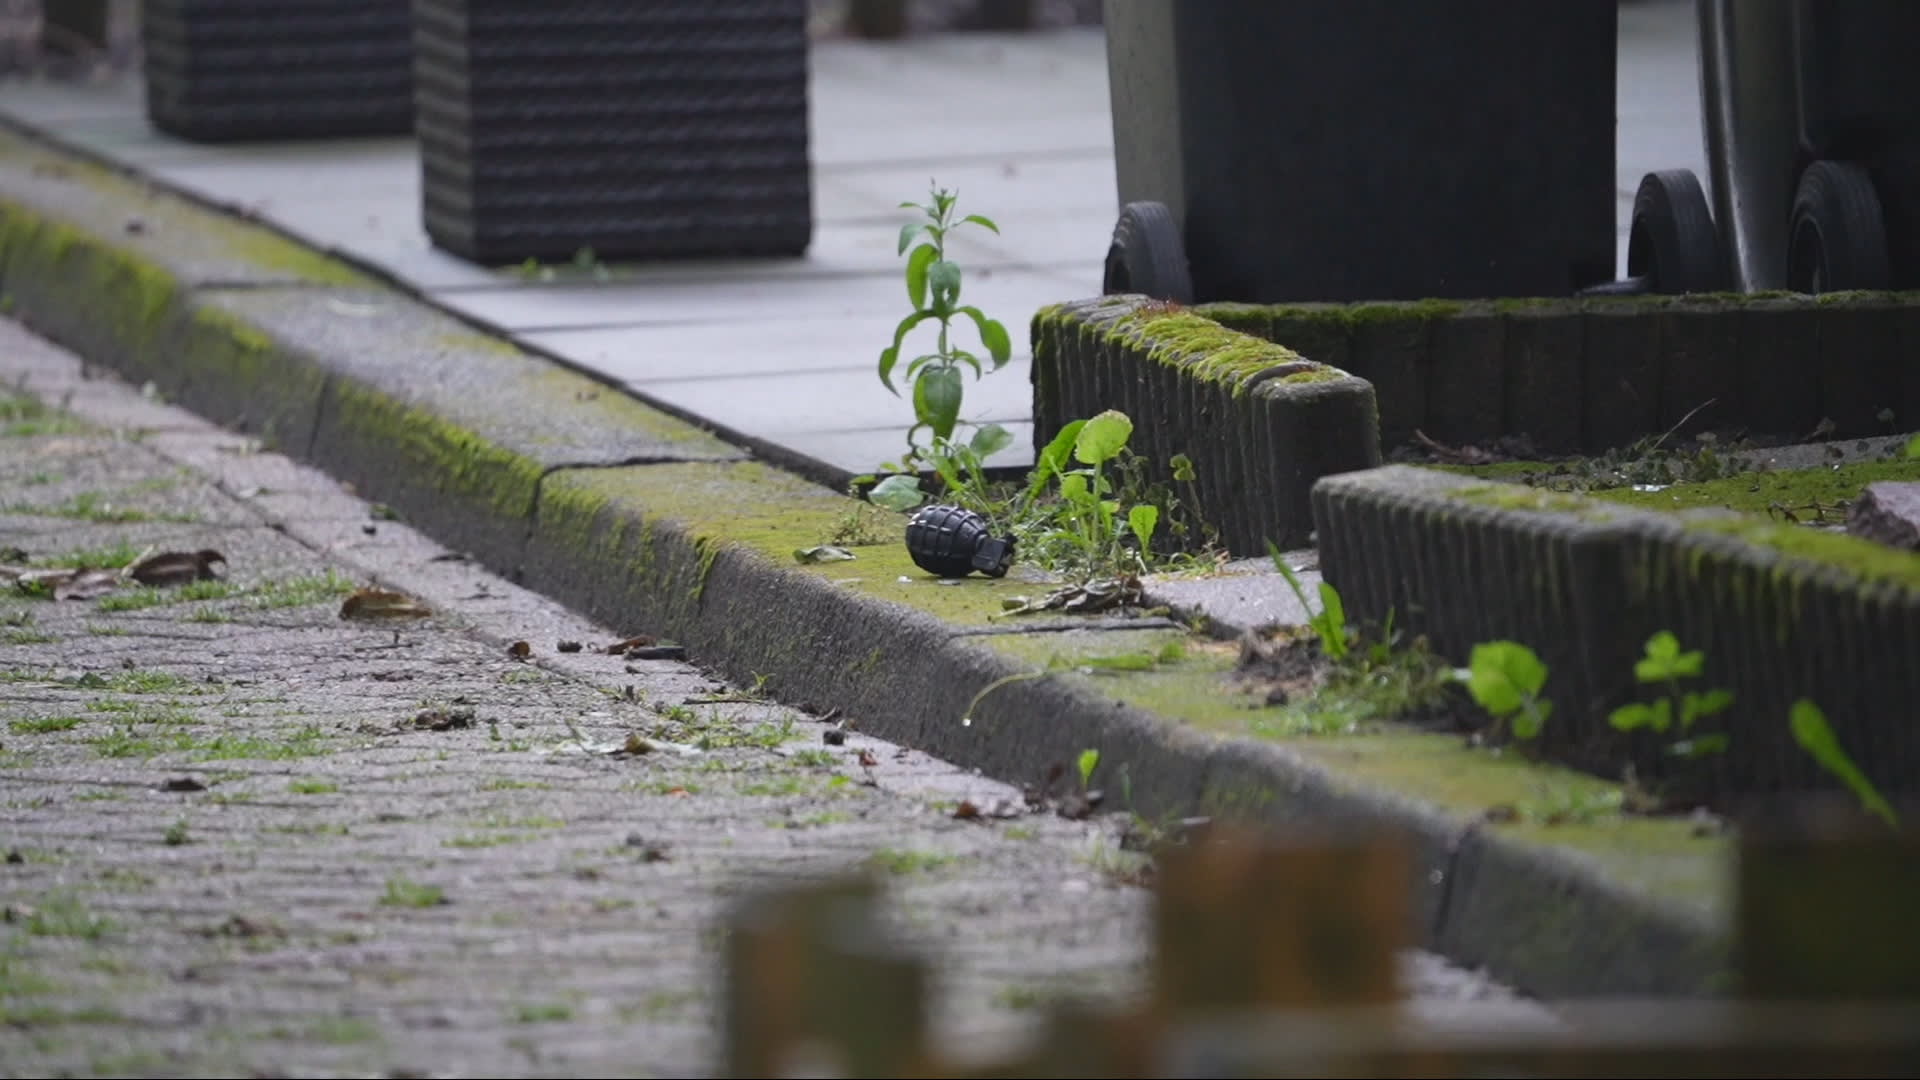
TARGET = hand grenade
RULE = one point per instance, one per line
(949, 541)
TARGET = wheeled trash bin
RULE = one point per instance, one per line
(1342, 150)
(1812, 129)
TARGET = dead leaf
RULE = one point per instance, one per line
(822, 553)
(1501, 814)
(680, 791)
(87, 584)
(373, 603)
(520, 650)
(636, 745)
(176, 567)
(867, 760)
(443, 719)
(1463, 455)
(569, 646)
(966, 811)
(183, 783)
(620, 647)
(658, 652)
(1079, 599)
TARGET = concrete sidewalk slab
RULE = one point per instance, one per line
(1019, 123)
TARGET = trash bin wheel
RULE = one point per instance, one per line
(1147, 255)
(1673, 245)
(1837, 238)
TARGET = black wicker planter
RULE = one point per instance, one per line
(233, 70)
(645, 129)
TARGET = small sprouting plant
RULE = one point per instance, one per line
(178, 833)
(1330, 622)
(1816, 737)
(1506, 679)
(1665, 663)
(1088, 761)
(933, 286)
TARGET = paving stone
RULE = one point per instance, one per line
(1888, 513)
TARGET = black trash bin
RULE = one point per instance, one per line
(1812, 125)
(1341, 150)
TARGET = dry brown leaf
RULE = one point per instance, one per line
(443, 719)
(620, 647)
(382, 604)
(87, 584)
(966, 811)
(176, 567)
(867, 760)
(520, 650)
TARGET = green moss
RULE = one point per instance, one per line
(1756, 492)
(768, 512)
(1660, 856)
(1318, 374)
(1206, 350)
(1522, 497)
(601, 406)
(170, 215)
(457, 461)
(1863, 560)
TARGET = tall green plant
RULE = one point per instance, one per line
(933, 285)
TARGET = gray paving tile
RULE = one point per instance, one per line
(862, 450)
(870, 303)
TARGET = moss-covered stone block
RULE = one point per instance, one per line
(1777, 383)
(1258, 421)
(1319, 332)
(1780, 611)
(1859, 364)
(1698, 365)
(1466, 377)
(1619, 374)
(1389, 350)
(1545, 344)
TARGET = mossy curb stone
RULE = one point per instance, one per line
(1259, 422)
(1781, 611)
(655, 526)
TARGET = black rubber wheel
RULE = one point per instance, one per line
(1838, 236)
(1148, 256)
(1673, 244)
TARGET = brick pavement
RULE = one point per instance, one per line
(246, 836)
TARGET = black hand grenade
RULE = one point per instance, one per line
(950, 541)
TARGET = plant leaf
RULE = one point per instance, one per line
(900, 491)
(917, 264)
(1526, 724)
(892, 353)
(1631, 717)
(1102, 437)
(1816, 737)
(1089, 761)
(1053, 457)
(992, 335)
(1183, 471)
(1495, 672)
(990, 439)
(936, 397)
(1695, 706)
(1142, 519)
(943, 275)
(908, 232)
(1073, 488)
(983, 222)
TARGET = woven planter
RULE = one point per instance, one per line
(232, 70)
(636, 130)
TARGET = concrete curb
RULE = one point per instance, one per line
(518, 461)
